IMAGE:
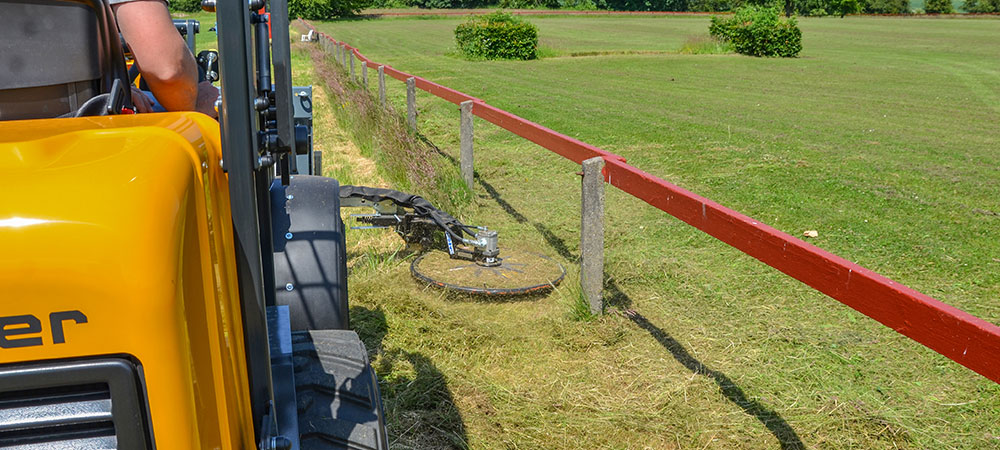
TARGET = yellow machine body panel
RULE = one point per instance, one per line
(126, 219)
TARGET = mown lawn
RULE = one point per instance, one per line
(882, 136)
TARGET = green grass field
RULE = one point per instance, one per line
(882, 136)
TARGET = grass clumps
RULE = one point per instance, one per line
(705, 45)
(759, 31)
(499, 35)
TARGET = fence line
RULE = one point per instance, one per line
(959, 336)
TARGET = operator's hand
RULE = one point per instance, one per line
(140, 101)
(207, 95)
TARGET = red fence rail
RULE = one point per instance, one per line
(956, 334)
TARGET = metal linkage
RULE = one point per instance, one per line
(416, 220)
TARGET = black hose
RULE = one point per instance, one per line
(419, 205)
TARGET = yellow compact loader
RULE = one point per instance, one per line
(168, 281)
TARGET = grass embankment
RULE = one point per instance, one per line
(882, 137)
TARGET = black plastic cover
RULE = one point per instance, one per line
(36, 33)
(310, 262)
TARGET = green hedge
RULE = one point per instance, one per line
(759, 31)
(497, 36)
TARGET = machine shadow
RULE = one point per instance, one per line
(777, 425)
(419, 408)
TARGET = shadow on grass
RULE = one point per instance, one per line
(420, 409)
(774, 423)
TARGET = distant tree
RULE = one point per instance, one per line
(982, 6)
(325, 9)
(938, 7)
(844, 7)
(710, 5)
(185, 5)
(644, 5)
(885, 6)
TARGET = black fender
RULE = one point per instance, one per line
(310, 257)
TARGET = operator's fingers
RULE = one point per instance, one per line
(140, 101)
(207, 95)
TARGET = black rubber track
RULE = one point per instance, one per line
(337, 392)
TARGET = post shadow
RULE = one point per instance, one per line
(774, 423)
(425, 394)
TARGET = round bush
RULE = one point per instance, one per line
(759, 31)
(497, 36)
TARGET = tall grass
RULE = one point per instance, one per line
(704, 45)
(406, 161)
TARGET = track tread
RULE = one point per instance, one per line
(337, 392)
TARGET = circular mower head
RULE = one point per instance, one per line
(519, 273)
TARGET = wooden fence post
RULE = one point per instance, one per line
(465, 154)
(411, 103)
(351, 54)
(317, 163)
(381, 85)
(592, 234)
(364, 75)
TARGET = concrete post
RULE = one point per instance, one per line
(364, 75)
(592, 234)
(411, 103)
(465, 154)
(351, 54)
(317, 163)
(381, 85)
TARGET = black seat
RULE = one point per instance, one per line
(55, 55)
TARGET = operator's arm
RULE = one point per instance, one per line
(163, 58)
